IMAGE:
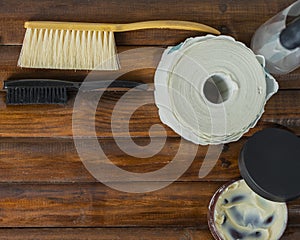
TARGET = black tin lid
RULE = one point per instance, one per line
(270, 164)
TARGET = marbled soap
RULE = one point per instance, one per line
(242, 214)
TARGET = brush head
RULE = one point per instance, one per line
(68, 49)
(36, 95)
(21, 92)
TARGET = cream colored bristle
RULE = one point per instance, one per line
(69, 49)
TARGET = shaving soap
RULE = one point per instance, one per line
(242, 214)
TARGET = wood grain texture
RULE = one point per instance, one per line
(291, 233)
(107, 234)
(44, 160)
(131, 69)
(95, 205)
(45, 190)
(138, 63)
(39, 160)
(45, 120)
(238, 18)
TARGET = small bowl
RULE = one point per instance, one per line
(213, 205)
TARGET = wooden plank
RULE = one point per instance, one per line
(294, 211)
(106, 233)
(51, 160)
(135, 62)
(156, 233)
(289, 81)
(238, 18)
(46, 120)
(291, 233)
(94, 205)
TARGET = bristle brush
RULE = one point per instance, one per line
(84, 46)
(49, 91)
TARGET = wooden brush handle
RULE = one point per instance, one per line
(111, 27)
(165, 24)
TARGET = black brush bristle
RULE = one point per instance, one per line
(36, 95)
(49, 91)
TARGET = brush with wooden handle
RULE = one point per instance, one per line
(84, 46)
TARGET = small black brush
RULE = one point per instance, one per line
(48, 91)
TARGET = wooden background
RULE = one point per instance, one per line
(46, 192)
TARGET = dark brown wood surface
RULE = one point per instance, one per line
(45, 190)
(119, 233)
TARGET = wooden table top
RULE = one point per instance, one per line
(47, 193)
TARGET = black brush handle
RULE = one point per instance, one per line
(97, 85)
(92, 85)
(36, 83)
